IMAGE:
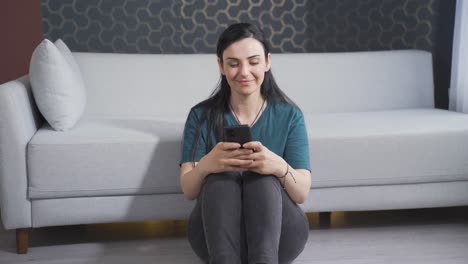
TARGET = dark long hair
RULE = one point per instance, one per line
(217, 105)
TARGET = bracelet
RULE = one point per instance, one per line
(292, 177)
(287, 171)
(284, 176)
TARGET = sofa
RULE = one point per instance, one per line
(376, 140)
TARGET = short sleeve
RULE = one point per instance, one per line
(297, 144)
(193, 138)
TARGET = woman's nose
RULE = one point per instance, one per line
(244, 70)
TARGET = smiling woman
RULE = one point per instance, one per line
(247, 195)
(244, 66)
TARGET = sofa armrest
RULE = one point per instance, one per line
(19, 121)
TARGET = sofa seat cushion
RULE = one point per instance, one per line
(388, 147)
(105, 157)
(101, 157)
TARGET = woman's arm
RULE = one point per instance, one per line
(191, 179)
(297, 184)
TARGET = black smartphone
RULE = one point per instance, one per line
(239, 134)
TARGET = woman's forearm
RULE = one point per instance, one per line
(191, 179)
(296, 183)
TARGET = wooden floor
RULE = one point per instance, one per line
(404, 236)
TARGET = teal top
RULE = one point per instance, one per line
(281, 128)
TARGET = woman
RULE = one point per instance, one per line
(247, 196)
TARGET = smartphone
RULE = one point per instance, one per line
(239, 134)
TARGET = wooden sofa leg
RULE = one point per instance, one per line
(324, 219)
(22, 240)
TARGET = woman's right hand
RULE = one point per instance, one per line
(225, 156)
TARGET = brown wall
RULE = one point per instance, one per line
(20, 32)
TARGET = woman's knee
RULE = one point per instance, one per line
(262, 198)
(220, 182)
(263, 178)
(260, 181)
(222, 177)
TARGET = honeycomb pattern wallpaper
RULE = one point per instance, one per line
(192, 26)
(162, 26)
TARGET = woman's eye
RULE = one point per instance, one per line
(253, 63)
(233, 65)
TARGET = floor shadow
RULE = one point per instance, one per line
(385, 218)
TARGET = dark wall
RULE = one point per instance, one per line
(20, 31)
(158, 26)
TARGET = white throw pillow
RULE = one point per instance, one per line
(57, 85)
(67, 54)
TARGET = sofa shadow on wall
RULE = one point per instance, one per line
(166, 148)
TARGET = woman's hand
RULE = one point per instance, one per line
(296, 182)
(264, 161)
(225, 156)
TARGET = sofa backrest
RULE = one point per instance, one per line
(166, 86)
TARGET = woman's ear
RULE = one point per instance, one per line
(268, 62)
(220, 65)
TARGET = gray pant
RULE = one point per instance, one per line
(246, 218)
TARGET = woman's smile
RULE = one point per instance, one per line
(244, 82)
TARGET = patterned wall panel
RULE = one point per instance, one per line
(192, 26)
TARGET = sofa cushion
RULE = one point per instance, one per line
(102, 157)
(388, 147)
(105, 157)
(318, 82)
(57, 86)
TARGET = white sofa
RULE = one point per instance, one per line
(376, 140)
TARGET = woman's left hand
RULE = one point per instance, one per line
(264, 160)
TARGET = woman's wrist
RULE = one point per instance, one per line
(283, 169)
(202, 172)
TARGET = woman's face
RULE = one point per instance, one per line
(244, 65)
